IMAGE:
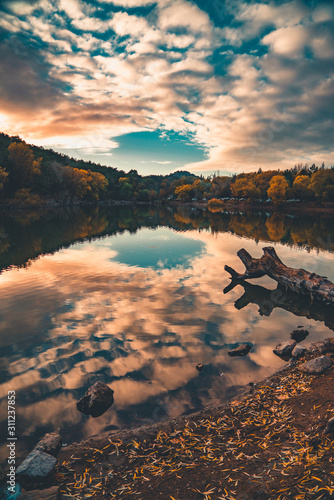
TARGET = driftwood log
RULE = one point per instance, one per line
(315, 287)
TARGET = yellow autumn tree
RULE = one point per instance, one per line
(302, 187)
(278, 188)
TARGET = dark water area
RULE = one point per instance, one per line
(136, 297)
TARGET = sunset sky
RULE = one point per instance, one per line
(160, 85)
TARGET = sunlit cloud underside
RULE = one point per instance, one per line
(247, 84)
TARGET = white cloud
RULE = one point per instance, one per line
(288, 42)
(129, 3)
(123, 24)
(183, 14)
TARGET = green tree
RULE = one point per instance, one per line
(278, 189)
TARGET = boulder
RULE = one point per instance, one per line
(330, 426)
(329, 344)
(50, 443)
(316, 366)
(241, 350)
(37, 466)
(97, 400)
(299, 335)
(298, 351)
(48, 494)
(199, 367)
(284, 349)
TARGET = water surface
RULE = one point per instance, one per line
(135, 297)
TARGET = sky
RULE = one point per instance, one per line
(163, 85)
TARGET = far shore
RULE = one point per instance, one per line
(228, 205)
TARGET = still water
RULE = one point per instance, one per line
(135, 297)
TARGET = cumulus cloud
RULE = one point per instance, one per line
(289, 42)
(252, 91)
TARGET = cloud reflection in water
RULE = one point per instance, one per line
(83, 315)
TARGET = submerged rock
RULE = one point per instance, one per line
(241, 350)
(50, 443)
(299, 335)
(316, 366)
(284, 349)
(97, 400)
(37, 466)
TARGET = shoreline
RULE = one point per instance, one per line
(229, 206)
(284, 415)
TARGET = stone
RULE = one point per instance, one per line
(329, 344)
(284, 349)
(316, 366)
(330, 426)
(50, 443)
(298, 351)
(97, 400)
(299, 335)
(38, 465)
(48, 494)
(241, 350)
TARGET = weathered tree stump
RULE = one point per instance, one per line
(303, 282)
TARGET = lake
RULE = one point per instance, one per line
(136, 297)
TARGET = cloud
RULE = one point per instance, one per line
(289, 42)
(252, 92)
(123, 24)
(182, 14)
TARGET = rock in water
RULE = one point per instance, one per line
(316, 366)
(241, 350)
(284, 349)
(50, 443)
(48, 494)
(37, 466)
(97, 400)
(299, 335)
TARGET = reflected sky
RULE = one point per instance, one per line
(155, 248)
(137, 311)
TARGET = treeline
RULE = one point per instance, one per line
(31, 175)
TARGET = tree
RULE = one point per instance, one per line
(322, 185)
(23, 166)
(245, 188)
(3, 178)
(301, 187)
(278, 188)
(184, 192)
(97, 184)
